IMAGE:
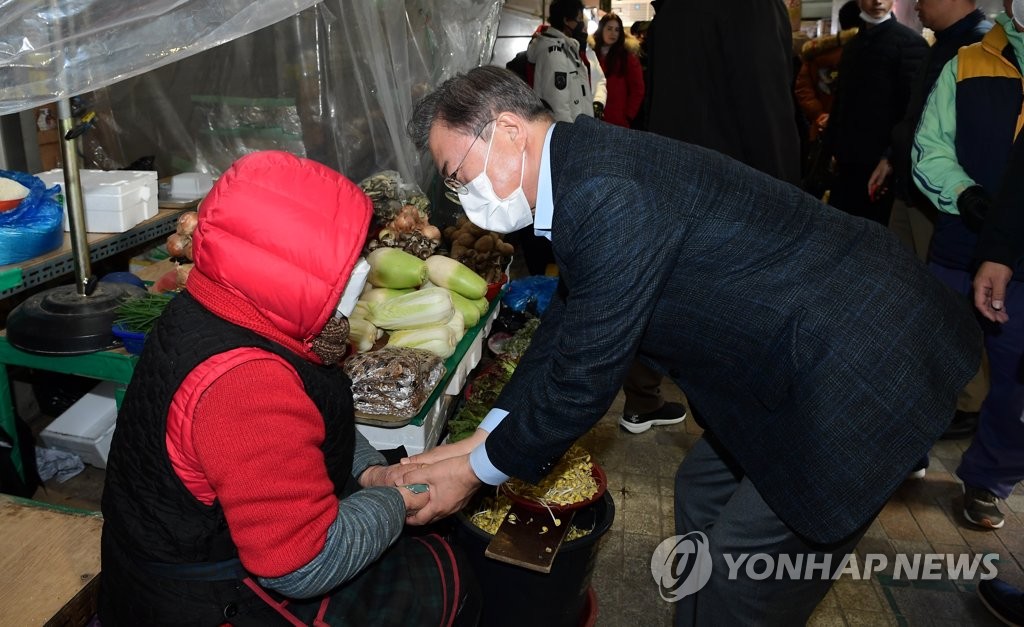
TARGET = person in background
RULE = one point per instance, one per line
(784, 320)
(875, 77)
(956, 23)
(638, 30)
(566, 75)
(961, 151)
(1000, 250)
(625, 77)
(819, 69)
(238, 490)
(739, 103)
(563, 71)
(720, 75)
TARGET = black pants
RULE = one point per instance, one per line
(850, 193)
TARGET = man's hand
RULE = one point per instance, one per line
(414, 503)
(446, 451)
(879, 176)
(990, 290)
(452, 482)
(599, 110)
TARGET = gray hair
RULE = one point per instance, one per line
(467, 102)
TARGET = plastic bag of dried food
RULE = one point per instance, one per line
(393, 381)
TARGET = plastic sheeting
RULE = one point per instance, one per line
(54, 49)
(335, 82)
(35, 226)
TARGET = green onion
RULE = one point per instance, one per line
(139, 313)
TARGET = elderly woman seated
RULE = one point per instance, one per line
(238, 490)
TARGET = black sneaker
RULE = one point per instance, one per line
(667, 414)
(981, 508)
(1003, 600)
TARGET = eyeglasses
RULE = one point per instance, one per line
(453, 183)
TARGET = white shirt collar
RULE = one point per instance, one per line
(545, 208)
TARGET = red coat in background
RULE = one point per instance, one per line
(625, 89)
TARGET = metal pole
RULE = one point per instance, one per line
(73, 199)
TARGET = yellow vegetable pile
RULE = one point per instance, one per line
(492, 511)
(571, 481)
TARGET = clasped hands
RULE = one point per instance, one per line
(445, 470)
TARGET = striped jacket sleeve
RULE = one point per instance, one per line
(936, 171)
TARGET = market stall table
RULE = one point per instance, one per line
(49, 563)
(109, 365)
(113, 365)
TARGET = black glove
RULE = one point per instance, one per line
(973, 205)
(598, 110)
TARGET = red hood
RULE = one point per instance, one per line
(282, 233)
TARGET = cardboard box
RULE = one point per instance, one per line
(115, 200)
(87, 426)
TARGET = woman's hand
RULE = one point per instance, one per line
(386, 476)
(447, 451)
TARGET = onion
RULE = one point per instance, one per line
(431, 232)
(176, 244)
(187, 223)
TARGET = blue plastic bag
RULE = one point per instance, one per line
(532, 294)
(35, 226)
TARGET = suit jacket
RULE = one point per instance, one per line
(823, 356)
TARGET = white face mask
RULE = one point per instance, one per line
(354, 288)
(487, 211)
(874, 20)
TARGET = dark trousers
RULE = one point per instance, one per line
(713, 497)
(642, 389)
(850, 193)
(995, 459)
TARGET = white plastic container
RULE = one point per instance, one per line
(190, 185)
(115, 200)
(87, 426)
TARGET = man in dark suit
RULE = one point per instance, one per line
(821, 357)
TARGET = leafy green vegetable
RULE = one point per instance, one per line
(487, 386)
(139, 313)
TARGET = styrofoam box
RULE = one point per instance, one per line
(415, 438)
(115, 200)
(86, 427)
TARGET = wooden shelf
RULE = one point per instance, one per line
(60, 262)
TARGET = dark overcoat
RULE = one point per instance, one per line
(720, 75)
(822, 355)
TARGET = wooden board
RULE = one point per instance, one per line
(47, 557)
(528, 539)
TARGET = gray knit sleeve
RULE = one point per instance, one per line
(365, 456)
(367, 523)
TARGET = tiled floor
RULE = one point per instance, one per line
(921, 518)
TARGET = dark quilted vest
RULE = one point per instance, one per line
(149, 515)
